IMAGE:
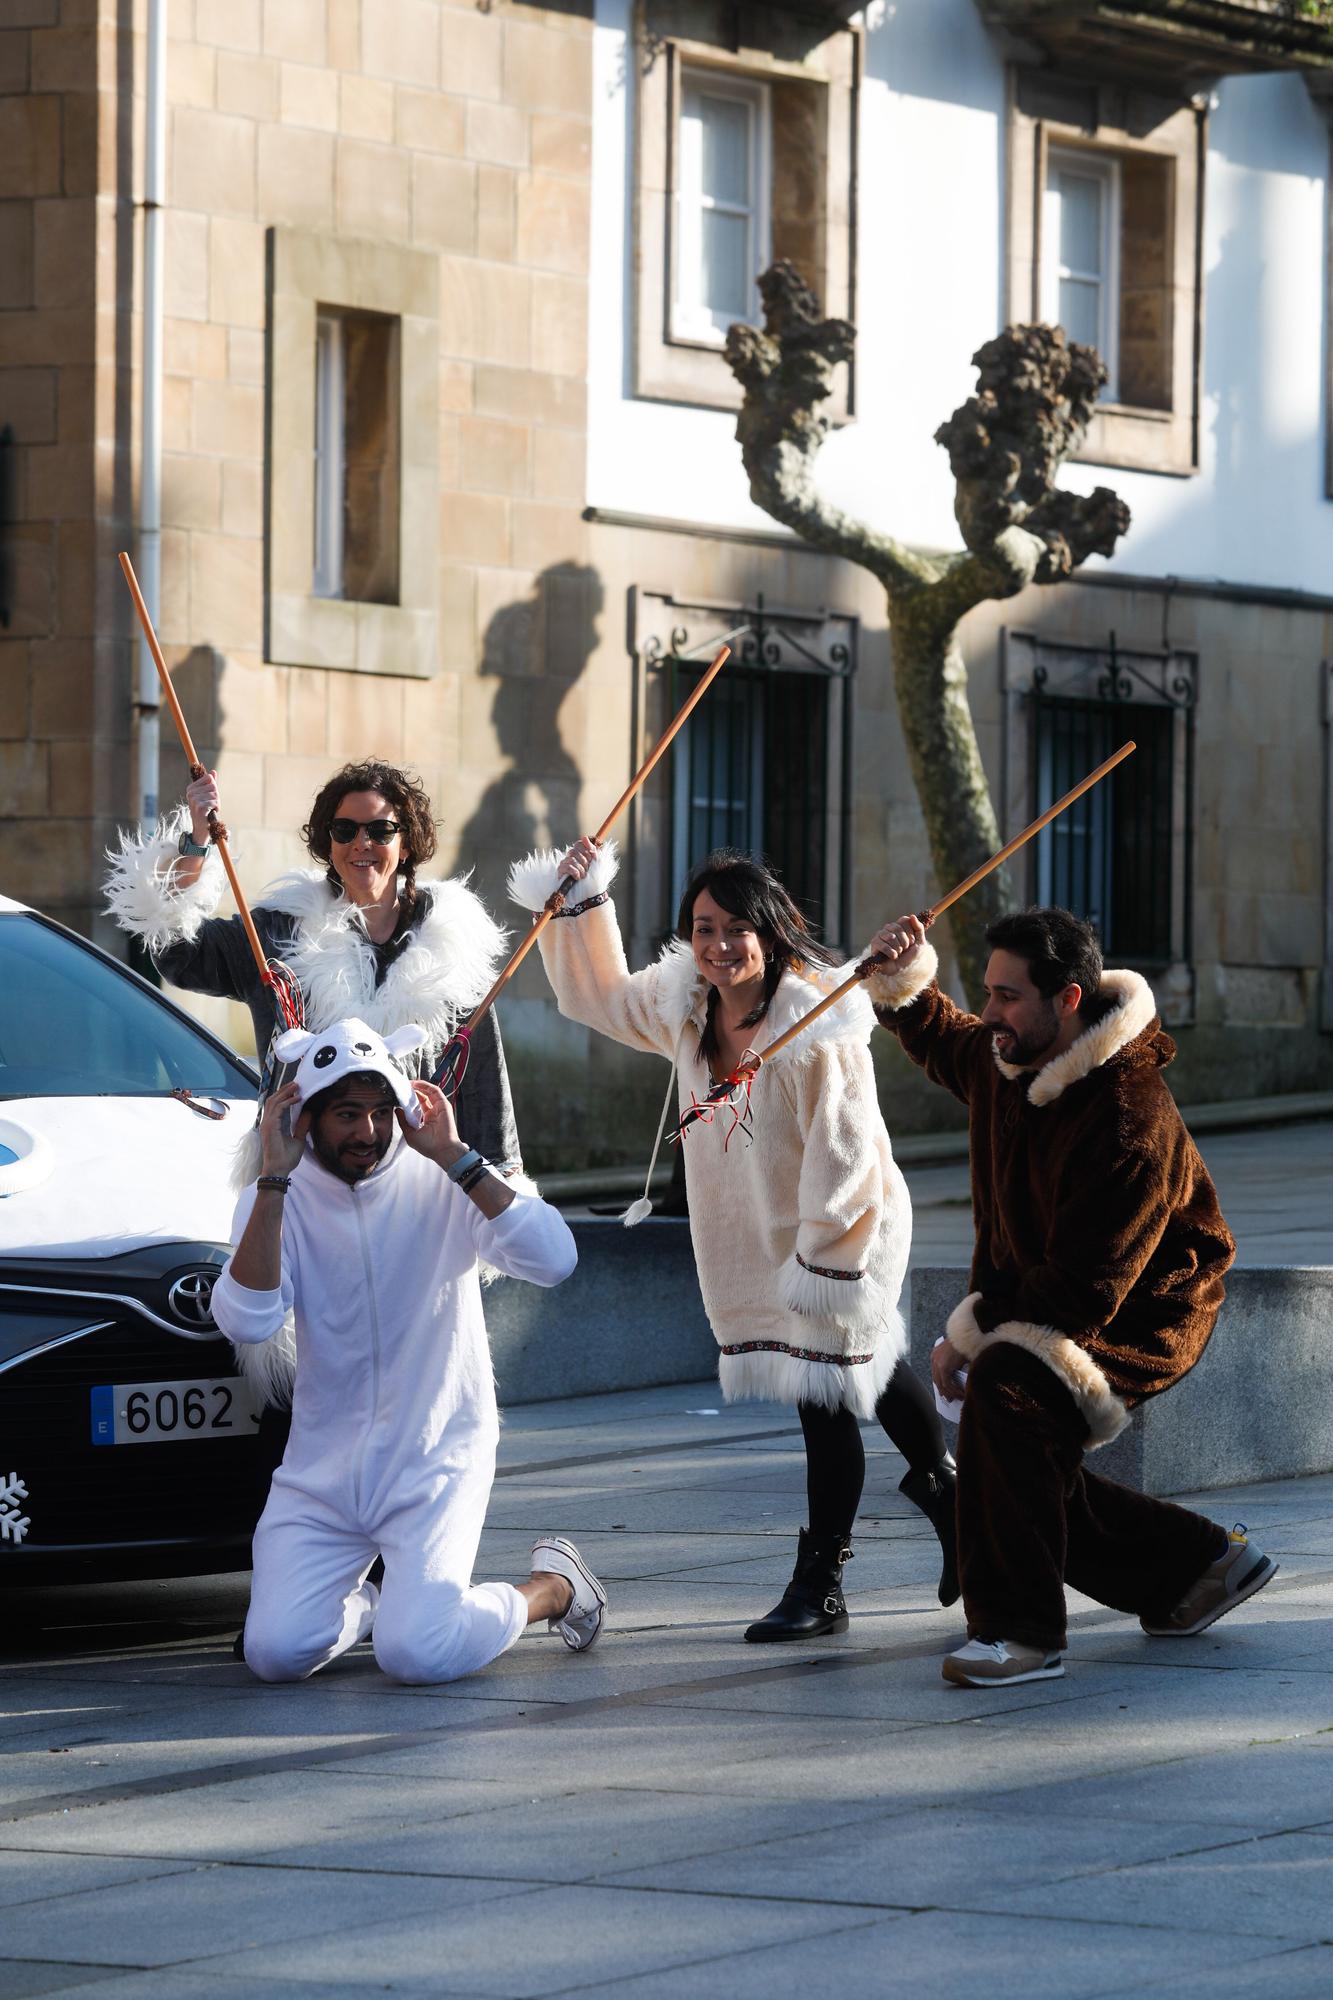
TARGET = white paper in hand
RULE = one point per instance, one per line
(950, 1411)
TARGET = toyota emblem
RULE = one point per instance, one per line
(191, 1299)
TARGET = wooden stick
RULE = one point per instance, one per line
(217, 832)
(562, 889)
(874, 961)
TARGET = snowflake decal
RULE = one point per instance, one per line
(13, 1525)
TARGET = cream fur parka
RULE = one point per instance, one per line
(801, 1227)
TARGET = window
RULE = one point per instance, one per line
(1102, 856)
(1081, 248)
(356, 457)
(738, 160)
(763, 764)
(1104, 240)
(722, 202)
(1122, 854)
(352, 455)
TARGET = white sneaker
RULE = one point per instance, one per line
(583, 1621)
(1000, 1663)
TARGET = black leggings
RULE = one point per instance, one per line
(835, 1459)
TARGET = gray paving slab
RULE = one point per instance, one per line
(574, 1836)
(175, 1984)
(22, 1979)
(952, 1955)
(1300, 1972)
(941, 1855)
(260, 1816)
(31, 1877)
(211, 1911)
(504, 1948)
(1273, 1885)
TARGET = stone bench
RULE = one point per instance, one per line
(630, 1317)
(1259, 1405)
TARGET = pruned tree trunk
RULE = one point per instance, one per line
(1006, 445)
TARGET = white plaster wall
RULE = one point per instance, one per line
(930, 291)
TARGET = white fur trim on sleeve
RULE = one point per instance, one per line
(899, 989)
(1102, 1410)
(141, 895)
(852, 1299)
(531, 881)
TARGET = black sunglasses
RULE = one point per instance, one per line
(381, 831)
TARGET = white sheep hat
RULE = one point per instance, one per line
(350, 1048)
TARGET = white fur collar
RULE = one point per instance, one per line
(1134, 1008)
(682, 995)
(681, 992)
(442, 973)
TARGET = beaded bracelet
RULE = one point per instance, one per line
(274, 1183)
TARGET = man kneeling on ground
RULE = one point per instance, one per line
(374, 1239)
(1096, 1281)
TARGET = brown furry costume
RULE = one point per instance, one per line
(1100, 1252)
(1100, 1246)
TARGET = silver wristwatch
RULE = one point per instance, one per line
(188, 848)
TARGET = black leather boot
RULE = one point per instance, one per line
(933, 1493)
(813, 1603)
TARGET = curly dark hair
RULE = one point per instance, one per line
(411, 808)
(744, 888)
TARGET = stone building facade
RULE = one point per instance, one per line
(448, 472)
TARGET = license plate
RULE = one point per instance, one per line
(173, 1412)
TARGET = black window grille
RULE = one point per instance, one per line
(751, 771)
(1111, 856)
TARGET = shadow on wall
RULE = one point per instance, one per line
(536, 649)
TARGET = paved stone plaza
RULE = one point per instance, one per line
(676, 1813)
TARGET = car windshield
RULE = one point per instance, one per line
(73, 1025)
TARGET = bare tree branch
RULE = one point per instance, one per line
(1035, 396)
(787, 374)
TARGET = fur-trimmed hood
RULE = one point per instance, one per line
(683, 995)
(1133, 1010)
(449, 962)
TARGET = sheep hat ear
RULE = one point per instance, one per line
(349, 1048)
(292, 1044)
(403, 1040)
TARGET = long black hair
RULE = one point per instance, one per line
(744, 888)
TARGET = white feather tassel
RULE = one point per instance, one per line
(639, 1211)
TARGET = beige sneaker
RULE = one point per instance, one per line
(1000, 1663)
(1227, 1582)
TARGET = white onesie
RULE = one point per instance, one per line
(394, 1421)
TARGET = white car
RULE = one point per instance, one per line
(129, 1444)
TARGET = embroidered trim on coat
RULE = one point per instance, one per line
(825, 1271)
(798, 1353)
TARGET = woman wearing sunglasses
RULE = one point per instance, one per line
(358, 932)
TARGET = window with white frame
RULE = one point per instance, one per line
(1081, 224)
(723, 188)
(356, 457)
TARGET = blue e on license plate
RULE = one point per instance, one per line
(167, 1412)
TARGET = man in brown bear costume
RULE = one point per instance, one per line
(1096, 1281)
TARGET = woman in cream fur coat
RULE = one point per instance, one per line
(802, 1224)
